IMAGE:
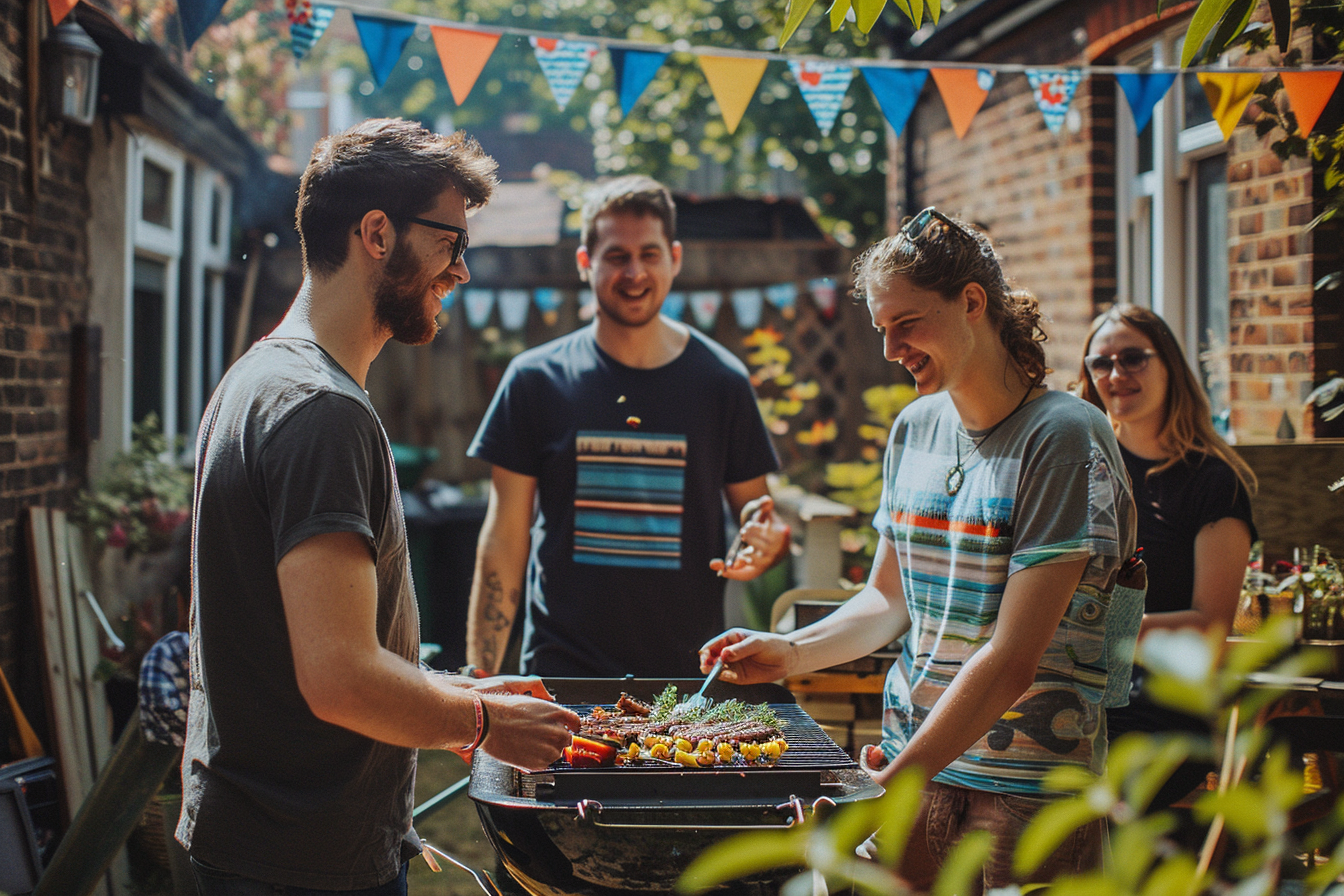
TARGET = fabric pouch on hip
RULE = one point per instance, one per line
(1122, 636)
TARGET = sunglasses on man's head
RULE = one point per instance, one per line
(931, 225)
(459, 245)
(1128, 361)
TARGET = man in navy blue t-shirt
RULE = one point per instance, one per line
(612, 450)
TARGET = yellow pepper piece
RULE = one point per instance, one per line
(659, 751)
(684, 745)
(687, 759)
(726, 752)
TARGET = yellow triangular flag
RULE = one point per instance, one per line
(1228, 94)
(733, 81)
(462, 54)
(60, 9)
(963, 91)
(1308, 92)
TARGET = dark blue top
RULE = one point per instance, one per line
(631, 465)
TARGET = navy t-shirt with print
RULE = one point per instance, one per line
(631, 465)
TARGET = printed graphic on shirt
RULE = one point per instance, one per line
(628, 499)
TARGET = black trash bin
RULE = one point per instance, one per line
(442, 526)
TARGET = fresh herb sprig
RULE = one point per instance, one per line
(665, 706)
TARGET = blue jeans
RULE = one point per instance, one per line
(211, 881)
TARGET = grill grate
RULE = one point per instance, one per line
(809, 746)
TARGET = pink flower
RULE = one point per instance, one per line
(116, 536)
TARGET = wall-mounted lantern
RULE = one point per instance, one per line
(71, 59)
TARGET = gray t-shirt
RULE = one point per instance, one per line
(1046, 486)
(290, 447)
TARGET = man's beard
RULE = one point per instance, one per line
(399, 300)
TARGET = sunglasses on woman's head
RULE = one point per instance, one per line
(1128, 361)
(931, 225)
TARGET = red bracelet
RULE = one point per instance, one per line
(480, 725)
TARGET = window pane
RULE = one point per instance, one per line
(1195, 105)
(186, 325)
(216, 216)
(156, 206)
(1145, 141)
(1211, 276)
(150, 279)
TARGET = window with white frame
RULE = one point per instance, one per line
(180, 213)
(1172, 185)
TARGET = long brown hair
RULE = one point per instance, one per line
(947, 265)
(1188, 427)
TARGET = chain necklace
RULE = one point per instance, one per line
(957, 475)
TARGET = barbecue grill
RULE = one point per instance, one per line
(608, 831)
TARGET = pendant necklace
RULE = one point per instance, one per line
(957, 475)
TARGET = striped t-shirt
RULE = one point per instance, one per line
(1047, 486)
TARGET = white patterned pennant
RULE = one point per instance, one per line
(513, 304)
(1053, 91)
(747, 306)
(564, 63)
(823, 86)
(478, 303)
(705, 307)
(824, 294)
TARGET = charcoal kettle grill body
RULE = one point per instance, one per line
(610, 831)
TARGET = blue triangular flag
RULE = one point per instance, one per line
(196, 16)
(302, 36)
(782, 295)
(547, 298)
(634, 70)
(383, 41)
(823, 86)
(896, 91)
(747, 304)
(1053, 91)
(563, 62)
(1143, 92)
(674, 306)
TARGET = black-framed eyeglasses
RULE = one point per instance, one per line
(931, 226)
(1128, 361)
(459, 245)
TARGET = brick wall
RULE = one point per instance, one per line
(43, 291)
(1272, 268)
(1036, 193)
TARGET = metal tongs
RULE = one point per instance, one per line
(482, 878)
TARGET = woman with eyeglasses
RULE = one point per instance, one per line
(1192, 492)
(1005, 517)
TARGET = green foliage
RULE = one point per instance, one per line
(863, 13)
(1259, 787)
(141, 499)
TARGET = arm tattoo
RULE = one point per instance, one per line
(496, 620)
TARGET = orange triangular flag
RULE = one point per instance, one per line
(963, 91)
(60, 9)
(733, 81)
(462, 54)
(1308, 92)
(1228, 94)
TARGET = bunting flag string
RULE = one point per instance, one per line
(734, 76)
(548, 301)
(896, 91)
(823, 86)
(747, 303)
(564, 64)
(705, 307)
(383, 42)
(733, 81)
(634, 70)
(478, 304)
(1143, 92)
(463, 54)
(513, 305)
(1308, 92)
(302, 35)
(1228, 96)
(1053, 93)
(674, 306)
